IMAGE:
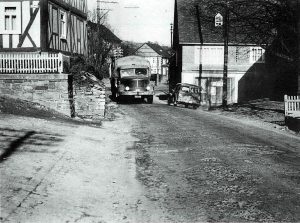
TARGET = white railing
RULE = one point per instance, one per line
(31, 63)
(292, 106)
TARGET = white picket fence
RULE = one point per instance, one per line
(292, 106)
(31, 63)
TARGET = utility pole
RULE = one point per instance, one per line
(99, 8)
(298, 41)
(225, 68)
(200, 50)
(171, 24)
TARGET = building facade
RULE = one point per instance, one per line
(44, 25)
(158, 58)
(37, 39)
(199, 59)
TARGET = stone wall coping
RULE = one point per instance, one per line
(45, 76)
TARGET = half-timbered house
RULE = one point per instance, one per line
(43, 25)
(37, 37)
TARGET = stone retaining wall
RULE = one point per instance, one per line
(58, 92)
(90, 102)
(50, 90)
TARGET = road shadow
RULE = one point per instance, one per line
(36, 142)
(15, 145)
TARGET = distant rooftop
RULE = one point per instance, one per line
(105, 33)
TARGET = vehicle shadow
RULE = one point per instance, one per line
(163, 96)
(11, 140)
(130, 100)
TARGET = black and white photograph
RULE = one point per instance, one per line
(149, 111)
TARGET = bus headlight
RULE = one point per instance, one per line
(148, 88)
(127, 88)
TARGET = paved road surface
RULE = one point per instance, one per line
(154, 163)
(210, 168)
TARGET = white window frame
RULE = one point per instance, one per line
(256, 57)
(211, 55)
(3, 14)
(63, 24)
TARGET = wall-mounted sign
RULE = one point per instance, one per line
(218, 20)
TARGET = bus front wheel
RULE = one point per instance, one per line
(150, 99)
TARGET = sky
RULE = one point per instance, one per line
(150, 21)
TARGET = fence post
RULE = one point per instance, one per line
(285, 104)
(60, 63)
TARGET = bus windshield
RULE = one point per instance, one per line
(133, 72)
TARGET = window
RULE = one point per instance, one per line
(211, 55)
(257, 55)
(140, 71)
(237, 53)
(127, 72)
(55, 20)
(79, 35)
(10, 18)
(63, 25)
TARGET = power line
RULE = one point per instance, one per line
(99, 8)
(131, 7)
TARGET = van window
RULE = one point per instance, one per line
(195, 90)
(185, 89)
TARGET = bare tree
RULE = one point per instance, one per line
(100, 43)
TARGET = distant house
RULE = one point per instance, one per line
(196, 42)
(158, 58)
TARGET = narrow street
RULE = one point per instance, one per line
(153, 163)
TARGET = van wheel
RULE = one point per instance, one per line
(114, 95)
(118, 98)
(150, 99)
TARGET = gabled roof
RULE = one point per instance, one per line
(188, 24)
(105, 33)
(192, 24)
(157, 48)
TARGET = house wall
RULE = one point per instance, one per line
(39, 26)
(239, 64)
(81, 5)
(74, 39)
(154, 58)
(27, 32)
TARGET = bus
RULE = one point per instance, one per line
(130, 78)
